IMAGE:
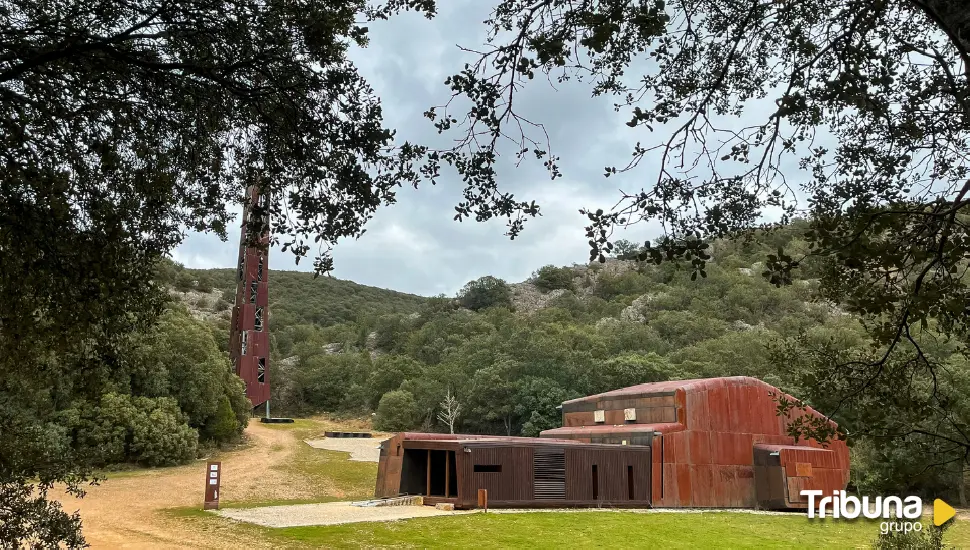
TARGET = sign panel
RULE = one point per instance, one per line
(213, 476)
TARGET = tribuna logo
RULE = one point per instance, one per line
(839, 505)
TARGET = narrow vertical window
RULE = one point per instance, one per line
(596, 484)
(261, 370)
(243, 342)
(253, 289)
(259, 269)
(629, 481)
(258, 323)
(242, 260)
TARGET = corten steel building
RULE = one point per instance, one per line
(715, 442)
(249, 336)
(516, 471)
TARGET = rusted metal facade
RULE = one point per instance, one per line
(717, 442)
(515, 471)
(249, 336)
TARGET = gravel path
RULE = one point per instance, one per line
(126, 511)
(335, 513)
(362, 449)
(329, 513)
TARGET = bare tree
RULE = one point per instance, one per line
(450, 409)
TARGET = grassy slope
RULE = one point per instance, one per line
(348, 480)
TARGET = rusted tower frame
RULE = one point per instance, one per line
(249, 333)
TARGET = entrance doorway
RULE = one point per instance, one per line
(429, 472)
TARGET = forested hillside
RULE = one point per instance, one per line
(297, 298)
(509, 354)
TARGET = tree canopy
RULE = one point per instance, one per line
(122, 124)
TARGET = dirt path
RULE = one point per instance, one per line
(126, 511)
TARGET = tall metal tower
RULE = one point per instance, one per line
(249, 333)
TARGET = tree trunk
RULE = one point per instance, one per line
(962, 486)
(953, 17)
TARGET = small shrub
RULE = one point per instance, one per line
(222, 427)
(929, 538)
(229, 295)
(184, 281)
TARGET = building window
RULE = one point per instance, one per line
(243, 342)
(253, 289)
(242, 260)
(488, 468)
(261, 370)
(259, 269)
(258, 323)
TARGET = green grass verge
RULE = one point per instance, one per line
(350, 480)
(579, 530)
(340, 478)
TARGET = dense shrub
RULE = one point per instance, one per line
(550, 277)
(179, 358)
(485, 292)
(143, 430)
(628, 283)
(397, 412)
(160, 435)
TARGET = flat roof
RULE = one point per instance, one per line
(512, 441)
(599, 429)
(665, 387)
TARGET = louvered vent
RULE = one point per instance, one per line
(549, 474)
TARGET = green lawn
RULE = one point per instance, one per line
(577, 530)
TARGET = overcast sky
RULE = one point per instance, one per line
(414, 246)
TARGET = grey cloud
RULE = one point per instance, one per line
(414, 245)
